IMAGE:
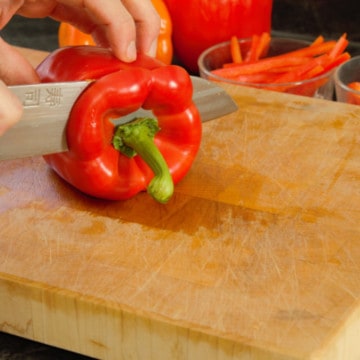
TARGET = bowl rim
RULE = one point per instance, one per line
(339, 82)
(215, 77)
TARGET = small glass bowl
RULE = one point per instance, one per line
(345, 74)
(216, 56)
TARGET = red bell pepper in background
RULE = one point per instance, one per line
(117, 163)
(199, 24)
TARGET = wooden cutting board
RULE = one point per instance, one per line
(257, 256)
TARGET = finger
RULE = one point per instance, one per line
(36, 8)
(147, 22)
(10, 108)
(7, 10)
(14, 68)
(123, 26)
(108, 22)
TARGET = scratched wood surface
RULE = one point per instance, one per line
(257, 256)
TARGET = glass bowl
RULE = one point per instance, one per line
(345, 74)
(216, 56)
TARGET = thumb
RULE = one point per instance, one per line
(14, 68)
(10, 108)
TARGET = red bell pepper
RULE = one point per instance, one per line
(116, 163)
(199, 24)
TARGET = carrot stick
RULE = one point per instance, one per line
(319, 40)
(298, 74)
(340, 46)
(263, 45)
(312, 50)
(259, 78)
(251, 55)
(354, 98)
(235, 50)
(355, 85)
(331, 64)
(316, 71)
(307, 62)
(282, 69)
(259, 66)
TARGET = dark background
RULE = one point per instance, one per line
(296, 18)
(303, 19)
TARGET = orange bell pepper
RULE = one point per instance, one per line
(164, 51)
(69, 35)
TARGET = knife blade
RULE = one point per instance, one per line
(47, 106)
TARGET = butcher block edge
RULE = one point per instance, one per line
(91, 327)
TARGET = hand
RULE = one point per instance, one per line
(125, 26)
(10, 108)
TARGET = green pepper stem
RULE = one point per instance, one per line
(137, 137)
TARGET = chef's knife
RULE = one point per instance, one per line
(47, 106)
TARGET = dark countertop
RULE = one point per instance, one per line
(296, 18)
(15, 348)
(310, 18)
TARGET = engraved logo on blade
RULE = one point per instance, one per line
(32, 98)
(54, 96)
(49, 96)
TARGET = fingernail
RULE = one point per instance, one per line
(153, 48)
(131, 51)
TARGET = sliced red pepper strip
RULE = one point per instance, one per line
(92, 164)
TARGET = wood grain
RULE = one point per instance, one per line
(257, 256)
